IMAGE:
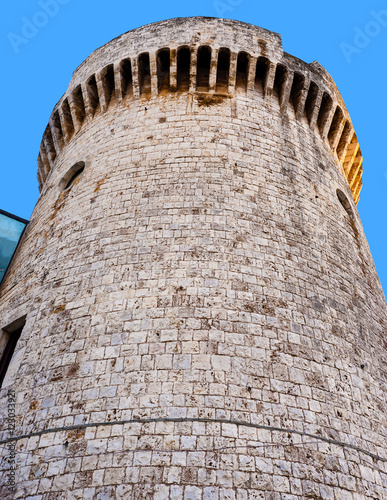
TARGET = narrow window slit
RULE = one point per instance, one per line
(58, 129)
(335, 125)
(50, 144)
(163, 69)
(183, 68)
(144, 73)
(79, 104)
(311, 100)
(326, 105)
(108, 84)
(223, 70)
(126, 77)
(68, 124)
(350, 152)
(355, 166)
(279, 81)
(41, 169)
(242, 70)
(92, 92)
(344, 138)
(203, 68)
(296, 90)
(261, 73)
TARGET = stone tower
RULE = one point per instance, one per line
(199, 314)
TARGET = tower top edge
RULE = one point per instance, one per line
(178, 23)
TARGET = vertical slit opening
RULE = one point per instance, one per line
(261, 73)
(108, 83)
(144, 73)
(344, 138)
(50, 144)
(326, 105)
(163, 69)
(335, 125)
(79, 104)
(203, 68)
(279, 80)
(296, 90)
(242, 73)
(311, 100)
(223, 70)
(355, 166)
(126, 77)
(92, 92)
(183, 68)
(68, 120)
(350, 152)
(58, 129)
(45, 162)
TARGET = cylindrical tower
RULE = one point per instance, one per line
(199, 314)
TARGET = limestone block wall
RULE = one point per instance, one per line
(203, 315)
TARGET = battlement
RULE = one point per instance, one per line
(214, 59)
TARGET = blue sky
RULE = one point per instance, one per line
(43, 41)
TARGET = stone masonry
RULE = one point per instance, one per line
(203, 318)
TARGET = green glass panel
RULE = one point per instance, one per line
(11, 230)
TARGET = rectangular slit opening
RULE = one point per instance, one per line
(223, 70)
(261, 73)
(296, 90)
(68, 120)
(183, 68)
(58, 129)
(242, 73)
(108, 84)
(163, 70)
(79, 104)
(144, 73)
(279, 81)
(203, 68)
(311, 101)
(50, 144)
(92, 91)
(326, 105)
(344, 138)
(126, 77)
(336, 122)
